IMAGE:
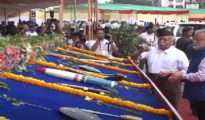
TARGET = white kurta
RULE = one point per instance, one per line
(169, 60)
(103, 48)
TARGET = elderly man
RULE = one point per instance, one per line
(194, 79)
(164, 60)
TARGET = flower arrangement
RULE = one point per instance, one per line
(95, 64)
(61, 67)
(17, 50)
(94, 96)
(9, 57)
(69, 51)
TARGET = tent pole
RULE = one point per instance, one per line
(89, 20)
(44, 15)
(93, 18)
(95, 14)
(19, 11)
(61, 14)
(5, 15)
(96, 7)
(75, 10)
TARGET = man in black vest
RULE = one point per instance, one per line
(185, 43)
(194, 79)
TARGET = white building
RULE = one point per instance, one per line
(172, 3)
(195, 3)
(105, 1)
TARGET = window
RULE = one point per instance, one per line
(179, 0)
(171, 6)
(179, 6)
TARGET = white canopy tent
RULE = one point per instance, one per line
(10, 8)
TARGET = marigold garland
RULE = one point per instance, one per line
(95, 64)
(73, 91)
(95, 53)
(90, 56)
(61, 67)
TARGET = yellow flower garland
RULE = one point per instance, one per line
(95, 53)
(61, 67)
(90, 56)
(95, 64)
(73, 91)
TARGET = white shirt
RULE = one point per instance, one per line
(69, 41)
(31, 34)
(169, 60)
(149, 38)
(103, 48)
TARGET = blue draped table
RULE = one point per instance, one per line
(53, 100)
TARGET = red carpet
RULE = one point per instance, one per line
(185, 111)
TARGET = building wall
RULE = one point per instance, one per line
(83, 15)
(162, 18)
(172, 3)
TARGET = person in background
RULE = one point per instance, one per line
(185, 43)
(72, 38)
(3, 28)
(81, 43)
(11, 28)
(140, 29)
(81, 31)
(164, 60)
(67, 38)
(194, 79)
(148, 36)
(41, 30)
(31, 32)
(102, 45)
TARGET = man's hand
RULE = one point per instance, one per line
(165, 74)
(95, 46)
(176, 76)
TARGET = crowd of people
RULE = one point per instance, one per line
(28, 28)
(169, 62)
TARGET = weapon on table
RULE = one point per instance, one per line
(78, 114)
(106, 99)
(66, 111)
(74, 59)
(90, 89)
(90, 56)
(115, 77)
(96, 54)
(66, 68)
(77, 77)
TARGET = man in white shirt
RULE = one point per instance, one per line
(164, 60)
(101, 45)
(149, 37)
(32, 32)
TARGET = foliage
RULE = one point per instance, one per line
(18, 41)
(126, 40)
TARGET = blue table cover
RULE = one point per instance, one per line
(43, 104)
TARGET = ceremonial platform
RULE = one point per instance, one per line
(39, 93)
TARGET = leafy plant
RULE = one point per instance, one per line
(126, 40)
(18, 40)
